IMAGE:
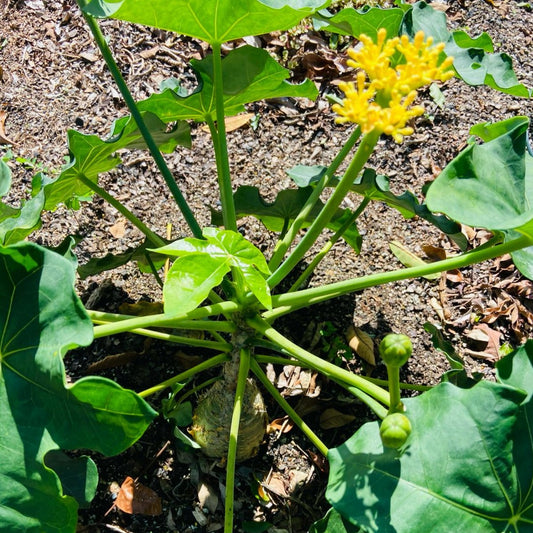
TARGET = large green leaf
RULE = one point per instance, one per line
(459, 470)
(285, 208)
(249, 74)
(486, 185)
(203, 263)
(40, 319)
(333, 522)
(17, 223)
(90, 156)
(213, 21)
(473, 59)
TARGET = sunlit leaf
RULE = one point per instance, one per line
(473, 60)
(225, 248)
(350, 21)
(248, 74)
(17, 223)
(90, 156)
(490, 174)
(213, 21)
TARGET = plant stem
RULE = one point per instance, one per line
(123, 210)
(191, 372)
(244, 367)
(164, 320)
(295, 417)
(137, 116)
(393, 373)
(220, 144)
(183, 340)
(329, 245)
(330, 208)
(327, 368)
(287, 238)
(99, 317)
(287, 303)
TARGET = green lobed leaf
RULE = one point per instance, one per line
(78, 475)
(287, 205)
(17, 223)
(457, 472)
(40, 319)
(491, 174)
(354, 22)
(248, 74)
(213, 21)
(190, 279)
(225, 248)
(376, 187)
(473, 60)
(90, 156)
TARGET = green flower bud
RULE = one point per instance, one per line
(394, 430)
(395, 349)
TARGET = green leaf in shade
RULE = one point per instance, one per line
(474, 61)
(220, 251)
(17, 223)
(457, 472)
(354, 22)
(249, 74)
(491, 174)
(333, 522)
(78, 475)
(376, 187)
(90, 156)
(213, 21)
(288, 203)
(139, 253)
(190, 279)
(40, 319)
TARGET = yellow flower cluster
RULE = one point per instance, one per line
(384, 102)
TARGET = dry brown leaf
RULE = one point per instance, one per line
(235, 122)
(283, 425)
(3, 137)
(409, 259)
(362, 344)
(331, 419)
(112, 361)
(118, 229)
(276, 484)
(136, 498)
(434, 253)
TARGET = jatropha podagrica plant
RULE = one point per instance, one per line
(221, 284)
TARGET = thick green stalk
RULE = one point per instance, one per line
(164, 320)
(288, 237)
(330, 208)
(221, 147)
(328, 246)
(295, 417)
(123, 210)
(287, 303)
(244, 367)
(136, 114)
(213, 361)
(317, 363)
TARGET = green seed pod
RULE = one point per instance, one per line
(395, 349)
(394, 430)
(212, 420)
